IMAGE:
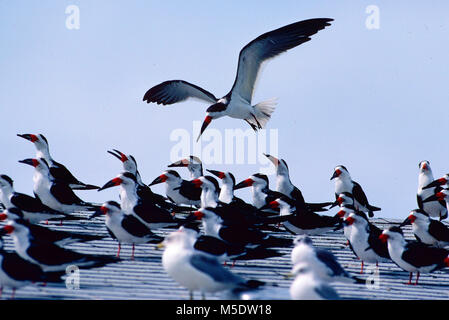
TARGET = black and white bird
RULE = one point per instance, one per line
(308, 285)
(298, 222)
(344, 183)
(427, 188)
(364, 239)
(323, 262)
(413, 256)
(57, 170)
(126, 228)
(285, 186)
(178, 190)
(58, 237)
(47, 255)
(238, 234)
(33, 210)
(197, 271)
(55, 194)
(237, 103)
(16, 272)
(427, 230)
(261, 194)
(138, 204)
(129, 164)
(192, 163)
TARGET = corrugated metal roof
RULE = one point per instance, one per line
(145, 278)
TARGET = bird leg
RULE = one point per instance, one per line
(417, 278)
(132, 254)
(252, 126)
(361, 269)
(118, 251)
(255, 119)
(191, 295)
(410, 278)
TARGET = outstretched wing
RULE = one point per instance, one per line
(174, 91)
(268, 46)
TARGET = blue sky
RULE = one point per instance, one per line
(373, 100)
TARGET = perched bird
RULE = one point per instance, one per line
(435, 208)
(304, 223)
(139, 204)
(178, 190)
(126, 228)
(344, 183)
(55, 194)
(198, 271)
(427, 230)
(323, 262)
(260, 192)
(237, 103)
(58, 237)
(193, 164)
(309, 286)
(33, 210)
(47, 255)
(285, 186)
(413, 256)
(364, 239)
(57, 170)
(129, 164)
(16, 272)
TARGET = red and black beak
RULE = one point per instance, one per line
(245, 183)
(160, 179)
(274, 160)
(271, 205)
(206, 122)
(3, 216)
(409, 220)
(112, 183)
(180, 163)
(336, 174)
(30, 162)
(119, 155)
(8, 229)
(197, 183)
(98, 212)
(348, 221)
(383, 237)
(216, 173)
(29, 137)
(436, 183)
(198, 215)
(439, 196)
(337, 202)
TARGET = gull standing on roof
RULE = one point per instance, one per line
(238, 102)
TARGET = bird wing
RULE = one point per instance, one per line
(331, 262)
(439, 230)
(421, 255)
(27, 203)
(20, 269)
(50, 254)
(213, 268)
(327, 292)
(64, 194)
(267, 46)
(359, 194)
(60, 172)
(174, 91)
(133, 226)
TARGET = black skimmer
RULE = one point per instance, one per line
(427, 230)
(322, 261)
(58, 237)
(298, 222)
(49, 256)
(34, 211)
(344, 183)
(440, 198)
(138, 204)
(16, 272)
(129, 164)
(192, 163)
(364, 239)
(428, 187)
(57, 170)
(413, 256)
(308, 285)
(214, 225)
(237, 103)
(55, 194)
(197, 271)
(285, 186)
(178, 190)
(126, 228)
(260, 192)
(345, 201)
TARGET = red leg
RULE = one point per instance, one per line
(132, 254)
(118, 251)
(410, 278)
(417, 278)
(233, 264)
(361, 269)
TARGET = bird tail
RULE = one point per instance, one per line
(259, 253)
(373, 208)
(262, 113)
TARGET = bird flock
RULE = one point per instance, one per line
(205, 227)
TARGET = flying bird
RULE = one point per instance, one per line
(238, 102)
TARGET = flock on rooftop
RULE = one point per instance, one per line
(212, 228)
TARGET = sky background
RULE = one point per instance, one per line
(376, 101)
